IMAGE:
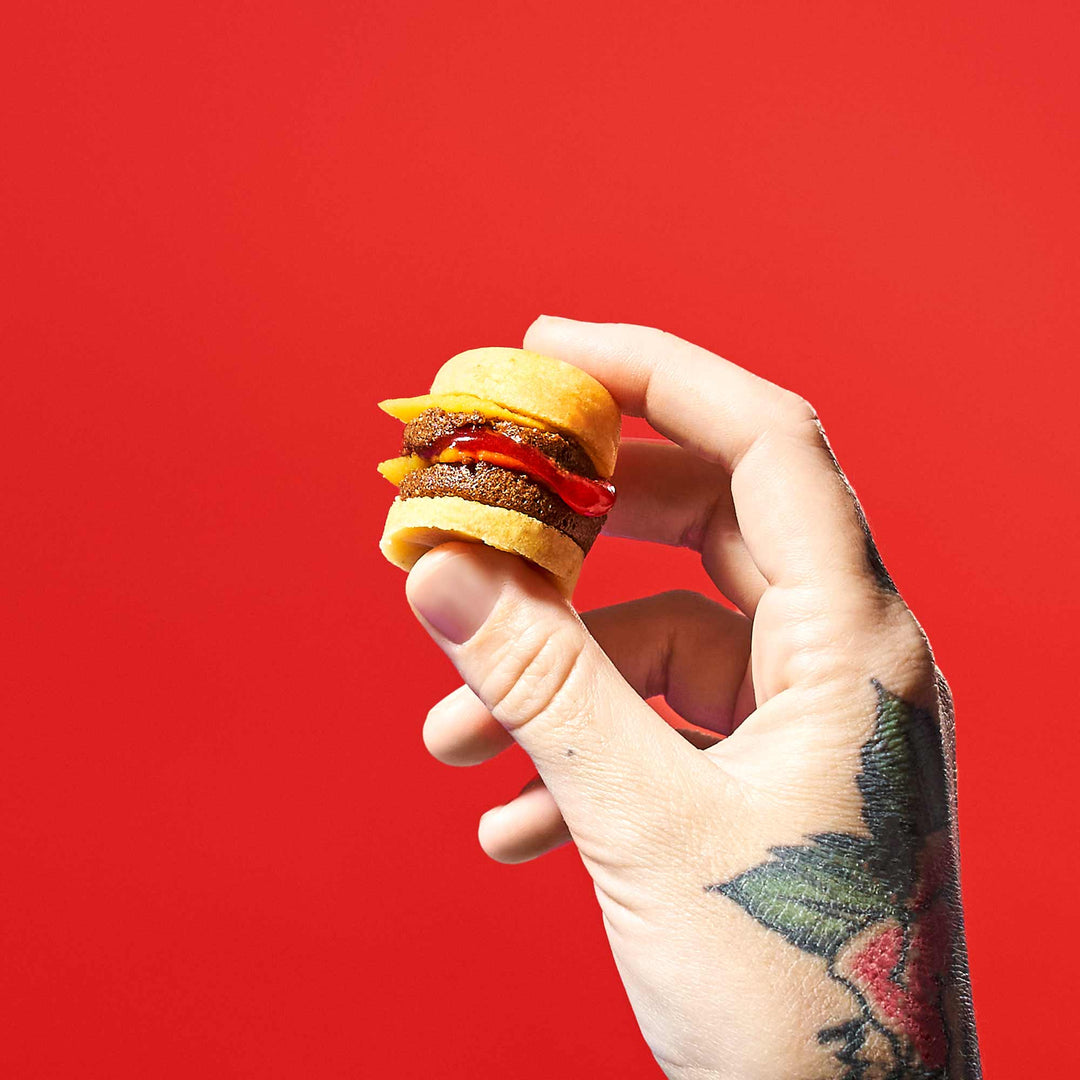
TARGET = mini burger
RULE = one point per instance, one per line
(509, 448)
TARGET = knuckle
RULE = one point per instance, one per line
(685, 602)
(895, 624)
(910, 636)
(851, 634)
(795, 413)
(709, 514)
(904, 651)
(788, 416)
(536, 673)
(697, 617)
(913, 645)
(797, 419)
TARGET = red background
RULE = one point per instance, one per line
(229, 229)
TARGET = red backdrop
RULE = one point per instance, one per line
(229, 229)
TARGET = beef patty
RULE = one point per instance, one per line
(483, 482)
(493, 485)
(432, 424)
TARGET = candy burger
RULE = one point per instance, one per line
(509, 448)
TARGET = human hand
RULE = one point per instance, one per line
(783, 903)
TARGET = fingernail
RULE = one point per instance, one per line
(452, 593)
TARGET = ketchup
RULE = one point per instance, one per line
(591, 498)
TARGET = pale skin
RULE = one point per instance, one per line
(665, 822)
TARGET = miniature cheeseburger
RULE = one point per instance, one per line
(510, 448)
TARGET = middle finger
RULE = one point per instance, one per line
(670, 496)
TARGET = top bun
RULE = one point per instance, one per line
(558, 394)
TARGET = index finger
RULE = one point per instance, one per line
(796, 511)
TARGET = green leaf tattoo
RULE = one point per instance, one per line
(817, 896)
(875, 907)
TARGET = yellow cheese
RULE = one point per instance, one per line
(406, 409)
(395, 469)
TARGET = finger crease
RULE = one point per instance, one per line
(695, 534)
(660, 682)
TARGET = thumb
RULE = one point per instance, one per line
(601, 751)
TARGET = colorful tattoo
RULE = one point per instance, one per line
(879, 908)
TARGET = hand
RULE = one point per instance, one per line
(783, 903)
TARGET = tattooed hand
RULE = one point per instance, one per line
(782, 905)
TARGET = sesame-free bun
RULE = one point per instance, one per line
(414, 525)
(558, 394)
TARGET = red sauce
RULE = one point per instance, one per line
(592, 498)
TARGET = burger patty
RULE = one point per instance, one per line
(482, 482)
(433, 424)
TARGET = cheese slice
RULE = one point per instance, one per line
(406, 409)
(395, 469)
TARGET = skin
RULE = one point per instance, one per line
(783, 903)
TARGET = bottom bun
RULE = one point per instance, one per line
(414, 525)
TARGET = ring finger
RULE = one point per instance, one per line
(669, 496)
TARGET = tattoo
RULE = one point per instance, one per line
(881, 909)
